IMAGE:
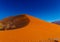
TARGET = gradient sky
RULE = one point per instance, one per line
(48, 10)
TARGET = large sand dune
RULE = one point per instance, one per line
(36, 31)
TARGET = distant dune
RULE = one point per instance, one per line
(36, 31)
(56, 22)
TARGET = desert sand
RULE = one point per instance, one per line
(36, 31)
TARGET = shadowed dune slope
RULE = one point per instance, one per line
(36, 30)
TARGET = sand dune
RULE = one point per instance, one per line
(56, 22)
(36, 31)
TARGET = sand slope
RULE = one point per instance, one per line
(36, 30)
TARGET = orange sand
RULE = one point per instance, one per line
(36, 30)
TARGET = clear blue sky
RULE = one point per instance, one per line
(48, 10)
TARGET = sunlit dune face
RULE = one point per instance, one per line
(19, 29)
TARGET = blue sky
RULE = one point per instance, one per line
(48, 10)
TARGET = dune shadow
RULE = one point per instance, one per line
(19, 21)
